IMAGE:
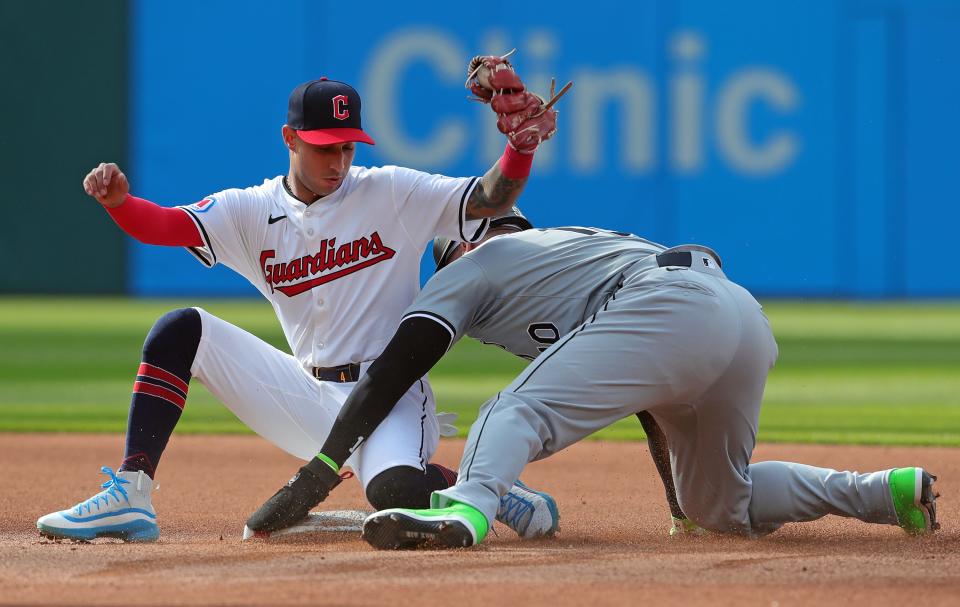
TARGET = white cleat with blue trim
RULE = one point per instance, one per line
(122, 510)
(529, 512)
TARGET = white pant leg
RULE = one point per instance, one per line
(267, 389)
(271, 392)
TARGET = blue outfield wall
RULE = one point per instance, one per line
(813, 143)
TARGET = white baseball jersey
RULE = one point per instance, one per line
(341, 271)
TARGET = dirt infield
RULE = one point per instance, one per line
(613, 547)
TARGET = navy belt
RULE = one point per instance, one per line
(341, 374)
(686, 256)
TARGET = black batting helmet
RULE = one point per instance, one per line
(442, 247)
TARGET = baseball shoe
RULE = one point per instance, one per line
(684, 526)
(122, 510)
(529, 512)
(456, 526)
(914, 500)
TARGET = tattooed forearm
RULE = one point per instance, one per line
(494, 195)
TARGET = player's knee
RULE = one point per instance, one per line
(174, 339)
(715, 515)
(399, 487)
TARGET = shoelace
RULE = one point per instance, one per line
(112, 487)
(512, 510)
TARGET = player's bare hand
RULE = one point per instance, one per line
(107, 184)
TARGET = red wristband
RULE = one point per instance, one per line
(515, 165)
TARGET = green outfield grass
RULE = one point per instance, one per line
(848, 373)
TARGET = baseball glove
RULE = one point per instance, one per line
(293, 501)
(527, 119)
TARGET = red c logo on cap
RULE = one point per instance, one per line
(340, 111)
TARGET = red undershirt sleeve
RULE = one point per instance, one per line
(151, 223)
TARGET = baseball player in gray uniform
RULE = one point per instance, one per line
(370, 404)
(616, 325)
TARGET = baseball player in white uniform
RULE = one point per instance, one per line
(335, 248)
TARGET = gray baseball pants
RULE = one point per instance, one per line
(694, 349)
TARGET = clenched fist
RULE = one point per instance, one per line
(107, 184)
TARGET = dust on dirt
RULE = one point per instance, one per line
(613, 548)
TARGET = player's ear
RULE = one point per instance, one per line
(289, 138)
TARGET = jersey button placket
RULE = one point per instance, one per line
(308, 217)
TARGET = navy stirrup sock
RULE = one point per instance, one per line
(160, 390)
(449, 476)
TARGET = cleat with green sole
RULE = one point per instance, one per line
(684, 526)
(456, 526)
(914, 500)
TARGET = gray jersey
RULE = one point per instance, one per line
(624, 331)
(530, 288)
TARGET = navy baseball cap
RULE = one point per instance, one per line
(324, 112)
